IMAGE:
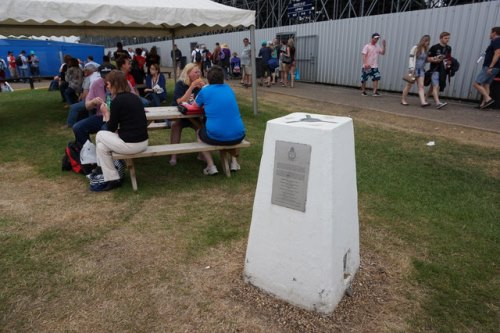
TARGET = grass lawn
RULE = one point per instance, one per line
(169, 257)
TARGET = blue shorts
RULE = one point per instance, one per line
(373, 72)
(484, 78)
(420, 72)
(435, 79)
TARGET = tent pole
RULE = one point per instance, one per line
(254, 72)
(174, 57)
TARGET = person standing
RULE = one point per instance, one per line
(11, 60)
(120, 52)
(3, 68)
(246, 55)
(416, 66)
(197, 58)
(23, 66)
(370, 54)
(34, 64)
(176, 55)
(440, 58)
(491, 67)
(265, 55)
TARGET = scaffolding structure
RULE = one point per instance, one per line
(276, 13)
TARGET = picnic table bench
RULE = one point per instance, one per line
(171, 113)
(179, 148)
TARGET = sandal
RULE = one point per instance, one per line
(425, 105)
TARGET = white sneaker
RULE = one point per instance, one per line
(234, 166)
(210, 171)
(440, 105)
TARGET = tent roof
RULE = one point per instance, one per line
(118, 17)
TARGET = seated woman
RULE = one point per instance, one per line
(223, 125)
(74, 77)
(127, 129)
(186, 89)
(155, 86)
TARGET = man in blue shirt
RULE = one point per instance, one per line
(491, 67)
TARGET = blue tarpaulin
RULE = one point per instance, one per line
(50, 53)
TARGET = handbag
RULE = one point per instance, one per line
(186, 108)
(409, 77)
(287, 60)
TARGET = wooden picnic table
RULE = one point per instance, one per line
(167, 113)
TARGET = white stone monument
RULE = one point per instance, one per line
(303, 245)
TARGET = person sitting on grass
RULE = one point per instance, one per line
(127, 129)
(223, 125)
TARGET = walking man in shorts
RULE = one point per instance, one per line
(440, 58)
(491, 67)
(370, 54)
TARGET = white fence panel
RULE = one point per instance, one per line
(341, 41)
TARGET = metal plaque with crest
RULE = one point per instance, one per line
(290, 176)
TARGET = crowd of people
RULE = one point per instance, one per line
(442, 67)
(104, 99)
(20, 67)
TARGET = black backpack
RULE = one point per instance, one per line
(197, 56)
(19, 61)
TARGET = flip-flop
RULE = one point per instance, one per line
(487, 104)
(404, 104)
(425, 105)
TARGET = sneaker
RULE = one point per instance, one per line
(210, 171)
(95, 172)
(106, 186)
(441, 105)
(364, 93)
(234, 166)
(96, 179)
(376, 94)
(488, 104)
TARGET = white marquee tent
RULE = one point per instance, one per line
(168, 18)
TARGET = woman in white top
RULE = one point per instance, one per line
(416, 67)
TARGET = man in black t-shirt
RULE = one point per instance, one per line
(491, 67)
(120, 52)
(440, 58)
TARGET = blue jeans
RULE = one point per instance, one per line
(70, 96)
(146, 102)
(85, 127)
(24, 73)
(74, 110)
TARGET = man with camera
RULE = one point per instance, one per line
(440, 58)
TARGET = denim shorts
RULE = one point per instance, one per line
(484, 78)
(373, 72)
(420, 72)
(435, 79)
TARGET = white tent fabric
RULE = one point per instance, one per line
(118, 17)
(166, 18)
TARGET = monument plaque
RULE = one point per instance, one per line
(290, 176)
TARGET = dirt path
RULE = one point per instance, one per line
(434, 129)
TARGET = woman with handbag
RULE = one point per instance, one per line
(286, 61)
(416, 70)
(155, 86)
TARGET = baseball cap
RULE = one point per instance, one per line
(376, 35)
(32, 52)
(105, 69)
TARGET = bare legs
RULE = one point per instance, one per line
(484, 90)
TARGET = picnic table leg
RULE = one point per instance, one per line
(224, 158)
(131, 171)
